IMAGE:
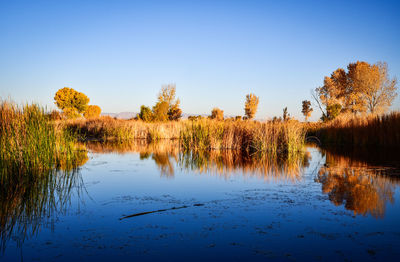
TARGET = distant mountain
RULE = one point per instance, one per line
(122, 115)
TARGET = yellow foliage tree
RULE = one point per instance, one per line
(92, 111)
(167, 95)
(250, 106)
(71, 101)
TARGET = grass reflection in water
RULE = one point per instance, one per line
(29, 201)
(167, 155)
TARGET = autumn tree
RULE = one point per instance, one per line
(160, 111)
(146, 114)
(364, 88)
(92, 111)
(306, 110)
(71, 113)
(70, 100)
(373, 89)
(167, 95)
(250, 106)
(217, 114)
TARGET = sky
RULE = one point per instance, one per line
(120, 53)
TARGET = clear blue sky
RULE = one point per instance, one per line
(119, 53)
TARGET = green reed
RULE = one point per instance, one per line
(30, 143)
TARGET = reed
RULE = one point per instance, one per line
(250, 136)
(205, 134)
(30, 144)
(366, 131)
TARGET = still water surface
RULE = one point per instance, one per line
(156, 203)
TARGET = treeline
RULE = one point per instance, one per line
(361, 90)
(167, 108)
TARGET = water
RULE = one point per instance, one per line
(326, 206)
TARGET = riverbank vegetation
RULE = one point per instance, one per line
(30, 143)
(205, 134)
(359, 131)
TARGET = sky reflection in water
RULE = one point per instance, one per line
(210, 205)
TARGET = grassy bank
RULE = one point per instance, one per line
(364, 131)
(250, 136)
(108, 128)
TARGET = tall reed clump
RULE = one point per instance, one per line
(29, 142)
(370, 131)
(249, 136)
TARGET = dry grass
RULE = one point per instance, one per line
(250, 136)
(369, 131)
(108, 128)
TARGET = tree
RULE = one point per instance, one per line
(92, 111)
(250, 106)
(174, 113)
(306, 110)
(332, 111)
(146, 114)
(373, 88)
(167, 94)
(364, 88)
(71, 99)
(160, 111)
(71, 113)
(217, 114)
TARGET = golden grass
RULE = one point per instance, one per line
(249, 136)
(371, 131)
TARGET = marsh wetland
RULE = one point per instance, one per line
(155, 201)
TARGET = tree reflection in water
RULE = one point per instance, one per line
(361, 186)
(29, 201)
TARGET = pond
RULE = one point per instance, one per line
(154, 202)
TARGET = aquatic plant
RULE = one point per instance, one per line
(30, 143)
